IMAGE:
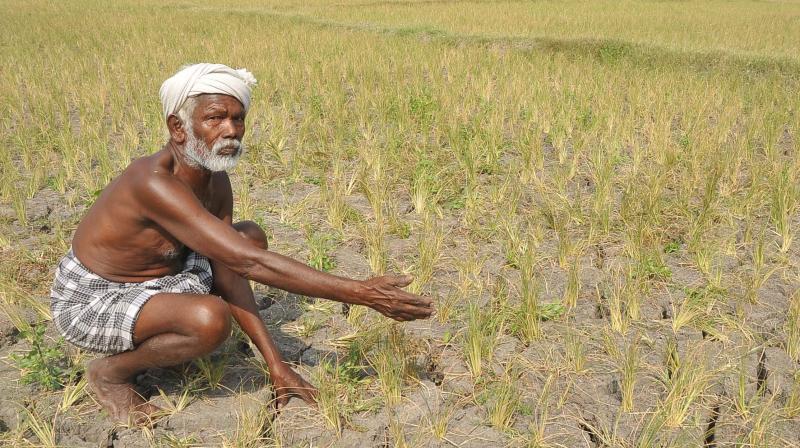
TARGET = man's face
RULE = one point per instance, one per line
(214, 136)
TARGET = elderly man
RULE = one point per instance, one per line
(157, 266)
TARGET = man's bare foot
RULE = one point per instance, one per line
(117, 396)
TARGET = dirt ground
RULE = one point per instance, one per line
(581, 409)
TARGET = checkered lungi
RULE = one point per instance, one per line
(99, 315)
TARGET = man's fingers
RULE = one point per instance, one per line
(282, 400)
(418, 306)
(402, 316)
(413, 299)
(420, 312)
(413, 314)
(310, 396)
(404, 309)
(423, 314)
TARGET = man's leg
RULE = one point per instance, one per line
(171, 329)
(252, 232)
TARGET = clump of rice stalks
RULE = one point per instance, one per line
(14, 299)
(532, 153)
(602, 171)
(356, 316)
(649, 435)
(333, 191)
(671, 357)
(760, 273)
(526, 316)
(44, 429)
(255, 428)
(73, 393)
(173, 441)
(327, 379)
(557, 216)
(429, 251)
(424, 186)
(469, 284)
(696, 310)
(446, 305)
(572, 288)
(13, 312)
(306, 326)
(631, 294)
(211, 370)
(19, 208)
(575, 352)
(793, 327)
(376, 247)
(628, 367)
(761, 433)
(171, 406)
(439, 420)
(706, 257)
(391, 359)
(513, 243)
(536, 437)
(783, 194)
(245, 207)
(627, 363)
(740, 400)
(687, 383)
(474, 217)
(399, 432)
(292, 214)
(482, 330)
(622, 299)
(503, 401)
(341, 380)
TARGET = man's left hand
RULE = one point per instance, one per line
(288, 384)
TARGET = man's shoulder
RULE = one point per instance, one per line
(152, 164)
(147, 174)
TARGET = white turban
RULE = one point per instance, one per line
(203, 78)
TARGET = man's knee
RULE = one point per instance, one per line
(252, 232)
(211, 320)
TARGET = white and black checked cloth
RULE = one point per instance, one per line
(99, 315)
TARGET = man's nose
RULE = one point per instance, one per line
(230, 128)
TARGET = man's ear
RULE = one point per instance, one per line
(177, 132)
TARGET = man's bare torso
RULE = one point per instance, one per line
(117, 241)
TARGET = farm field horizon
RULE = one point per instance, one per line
(602, 199)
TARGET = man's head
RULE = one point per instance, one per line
(213, 126)
(205, 106)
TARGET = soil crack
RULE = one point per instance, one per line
(762, 374)
(711, 428)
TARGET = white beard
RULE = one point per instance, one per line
(200, 155)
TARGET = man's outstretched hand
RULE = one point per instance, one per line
(383, 294)
(288, 384)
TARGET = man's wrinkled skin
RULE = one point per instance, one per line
(141, 228)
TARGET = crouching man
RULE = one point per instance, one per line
(157, 266)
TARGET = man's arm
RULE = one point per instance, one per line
(173, 206)
(237, 292)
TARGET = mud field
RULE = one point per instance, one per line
(575, 405)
